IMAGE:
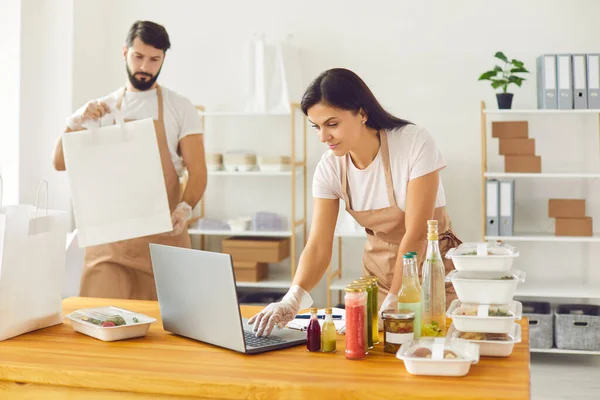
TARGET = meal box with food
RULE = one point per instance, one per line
(485, 287)
(110, 323)
(484, 317)
(438, 356)
(490, 344)
(494, 257)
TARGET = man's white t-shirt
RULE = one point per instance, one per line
(180, 116)
(413, 153)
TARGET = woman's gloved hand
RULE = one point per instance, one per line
(390, 304)
(180, 217)
(280, 313)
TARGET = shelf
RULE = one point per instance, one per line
(242, 114)
(561, 351)
(545, 237)
(253, 173)
(534, 111)
(210, 232)
(558, 290)
(278, 279)
(568, 175)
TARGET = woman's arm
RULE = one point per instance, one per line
(420, 206)
(316, 256)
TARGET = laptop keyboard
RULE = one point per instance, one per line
(261, 341)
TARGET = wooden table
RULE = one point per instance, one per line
(58, 363)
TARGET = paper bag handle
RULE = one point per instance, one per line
(93, 126)
(37, 198)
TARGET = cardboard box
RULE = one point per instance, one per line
(247, 271)
(566, 208)
(573, 226)
(265, 250)
(531, 164)
(510, 129)
(517, 147)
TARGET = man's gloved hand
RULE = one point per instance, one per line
(180, 217)
(92, 111)
(390, 304)
(282, 312)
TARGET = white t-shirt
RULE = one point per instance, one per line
(180, 116)
(413, 153)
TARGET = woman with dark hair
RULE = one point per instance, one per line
(387, 171)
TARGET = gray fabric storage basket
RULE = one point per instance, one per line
(541, 327)
(577, 327)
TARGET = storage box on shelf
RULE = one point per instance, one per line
(570, 215)
(541, 323)
(577, 327)
(282, 242)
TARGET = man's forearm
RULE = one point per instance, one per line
(195, 187)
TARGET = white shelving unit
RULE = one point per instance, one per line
(561, 351)
(545, 237)
(568, 290)
(278, 277)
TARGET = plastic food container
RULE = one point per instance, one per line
(485, 287)
(239, 224)
(490, 344)
(484, 317)
(438, 356)
(239, 161)
(110, 323)
(274, 163)
(483, 257)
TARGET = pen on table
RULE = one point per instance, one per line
(307, 316)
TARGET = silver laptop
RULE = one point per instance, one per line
(198, 299)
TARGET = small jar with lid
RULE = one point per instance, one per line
(398, 327)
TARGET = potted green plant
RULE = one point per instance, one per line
(502, 76)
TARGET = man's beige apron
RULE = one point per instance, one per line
(123, 270)
(385, 230)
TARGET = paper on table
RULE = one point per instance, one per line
(302, 324)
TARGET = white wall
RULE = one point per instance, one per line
(421, 59)
(10, 35)
(46, 92)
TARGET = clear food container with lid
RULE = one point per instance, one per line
(485, 287)
(110, 323)
(438, 356)
(493, 256)
(490, 344)
(490, 318)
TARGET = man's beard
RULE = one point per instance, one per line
(139, 84)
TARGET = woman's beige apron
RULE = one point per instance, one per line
(123, 270)
(385, 230)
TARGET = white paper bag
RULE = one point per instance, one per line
(259, 61)
(117, 182)
(286, 79)
(32, 265)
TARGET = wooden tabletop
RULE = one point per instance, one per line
(57, 362)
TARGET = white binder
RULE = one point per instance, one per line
(593, 81)
(565, 84)
(492, 208)
(507, 208)
(546, 82)
(580, 95)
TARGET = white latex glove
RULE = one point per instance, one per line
(282, 312)
(92, 111)
(390, 304)
(179, 218)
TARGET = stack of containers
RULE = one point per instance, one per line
(485, 284)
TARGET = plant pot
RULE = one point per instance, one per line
(504, 100)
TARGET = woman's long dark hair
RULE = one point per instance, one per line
(342, 88)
